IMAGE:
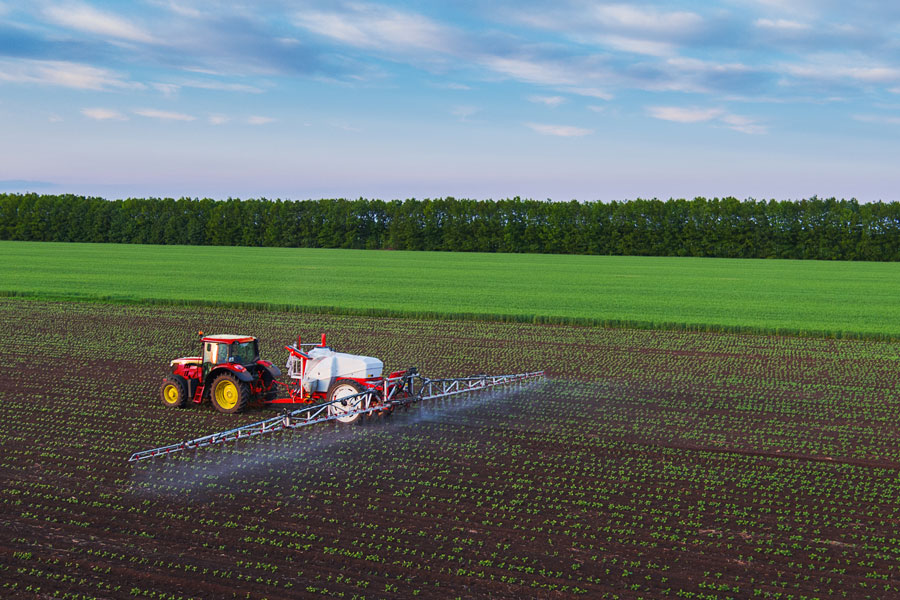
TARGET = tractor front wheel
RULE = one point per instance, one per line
(173, 392)
(341, 389)
(229, 394)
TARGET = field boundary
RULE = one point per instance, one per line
(455, 316)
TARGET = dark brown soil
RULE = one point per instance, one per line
(648, 465)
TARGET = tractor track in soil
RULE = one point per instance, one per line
(650, 463)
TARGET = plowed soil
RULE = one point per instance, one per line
(648, 464)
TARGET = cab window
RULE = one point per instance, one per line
(244, 352)
(212, 352)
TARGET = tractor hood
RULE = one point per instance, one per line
(186, 361)
(325, 365)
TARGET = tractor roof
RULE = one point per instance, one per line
(227, 338)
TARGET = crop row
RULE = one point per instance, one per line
(649, 464)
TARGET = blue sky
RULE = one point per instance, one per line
(566, 99)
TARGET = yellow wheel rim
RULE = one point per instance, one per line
(170, 393)
(226, 395)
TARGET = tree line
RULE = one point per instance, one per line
(814, 228)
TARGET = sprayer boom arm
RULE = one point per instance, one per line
(396, 391)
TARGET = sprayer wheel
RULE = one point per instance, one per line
(341, 389)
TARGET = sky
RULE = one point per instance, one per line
(561, 100)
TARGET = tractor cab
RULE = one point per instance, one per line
(234, 349)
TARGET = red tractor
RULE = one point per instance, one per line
(229, 373)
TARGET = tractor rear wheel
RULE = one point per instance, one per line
(272, 392)
(341, 389)
(173, 392)
(228, 394)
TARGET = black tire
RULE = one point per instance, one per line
(339, 389)
(229, 394)
(269, 381)
(173, 392)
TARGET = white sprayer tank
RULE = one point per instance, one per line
(325, 365)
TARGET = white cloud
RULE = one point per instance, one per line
(803, 7)
(163, 115)
(64, 74)
(867, 74)
(620, 26)
(743, 124)
(170, 89)
(874, 74)
(218, 119)
(257, 120)
(707, 67)
(783, 25)
(179, 9)
(464, 112)
(87, 18)
(373, 26)
(221, 86)
(649, 20)
(452, 86)
(877, 119)
(103, 114)
(167, 89)
(559, 130)
(681, 114)
(202, 70)
(637, 45)
(344, 126)
(837, 67)
(543, 73)
(551, 101)
(591, 93)
(698, 76)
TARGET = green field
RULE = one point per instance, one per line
(834, 298)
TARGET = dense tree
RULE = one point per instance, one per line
(814, 228)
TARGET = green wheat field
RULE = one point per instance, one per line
(775, 296)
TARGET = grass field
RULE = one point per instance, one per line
(835, 298)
